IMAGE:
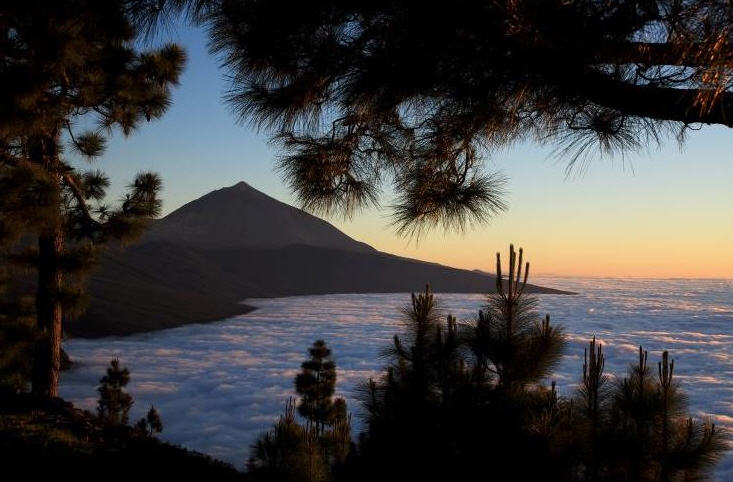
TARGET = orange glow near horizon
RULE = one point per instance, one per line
(553, 255)
(671, 217)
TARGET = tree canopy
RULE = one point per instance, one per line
(362, 93)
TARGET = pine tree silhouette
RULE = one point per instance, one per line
(75, 66)
(151, 423)
(316, 385)
(509, 340)
(114, 402)
(318, 449)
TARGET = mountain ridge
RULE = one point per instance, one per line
(200, 261)
(204, 222)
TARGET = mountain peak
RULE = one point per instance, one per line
(241, 185)
(240, 216)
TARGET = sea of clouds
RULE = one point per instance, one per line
(219, 385)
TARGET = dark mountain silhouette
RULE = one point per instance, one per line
(242, 217)
(198, 263)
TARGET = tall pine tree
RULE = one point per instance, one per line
(316, 384)
(71, 71)
(509, 340)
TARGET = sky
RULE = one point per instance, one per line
(664, 213)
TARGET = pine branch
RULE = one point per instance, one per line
(89, 220)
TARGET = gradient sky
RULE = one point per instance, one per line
(665, 213)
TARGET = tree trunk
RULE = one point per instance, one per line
(47, 360)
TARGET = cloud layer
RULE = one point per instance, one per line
(219, 385)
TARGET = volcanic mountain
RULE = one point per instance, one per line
(242, 217)
(199, 262)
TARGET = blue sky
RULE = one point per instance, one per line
(664, 213)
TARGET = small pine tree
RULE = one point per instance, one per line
(114, 403)
(290, 452)
(151, 423)
(416, 418)
(316, 384)
(313, 451)
(154, 421)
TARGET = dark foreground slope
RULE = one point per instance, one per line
(199, 262)
(51, 440)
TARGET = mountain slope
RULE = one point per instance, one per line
(199, 262)
(240, 216)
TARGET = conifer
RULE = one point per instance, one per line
(316, 385)
(151, 423)
(289, 452)
(317, 449)
(114, 402)
(509, 340)
(71, 73)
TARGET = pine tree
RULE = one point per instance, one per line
(114, 402)
(318, 449)
(654, 437)
(595, 398)
(154, 421)
(637, 427)
(316, 385)
(512, 351)
(418, 412)
(336, 441)
(509, 340)
(290, 452)
(71, 72)
(151, 423)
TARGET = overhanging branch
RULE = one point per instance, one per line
(662, 103)
(651, 54)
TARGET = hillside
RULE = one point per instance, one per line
(52, 440)
(198, 263)
(240, 216)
